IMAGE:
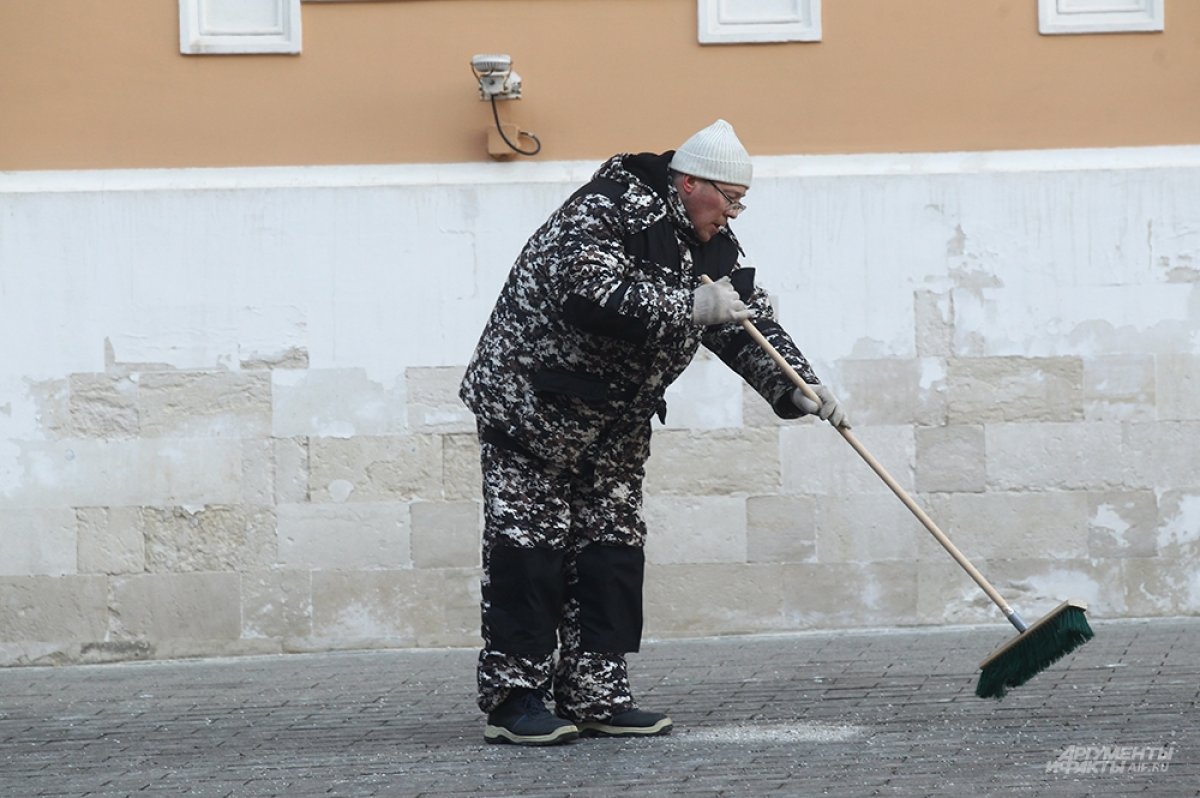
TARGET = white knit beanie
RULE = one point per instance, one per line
(715, 153)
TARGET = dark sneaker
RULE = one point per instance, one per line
(524, 720)
(632, 723)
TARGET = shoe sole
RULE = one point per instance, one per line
(593, 728)
(498, 735)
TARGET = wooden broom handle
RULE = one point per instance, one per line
(878, 468)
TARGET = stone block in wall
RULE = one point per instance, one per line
(433, 403)
(103, 406)
(111, 540)
(1026, 525)
(713, 598)
(212, 538)
(189, 404)
(891, 390)
(277, 604)
(992, 389)
(1178, 533)
(1034, 587)
(39, 406)
(934, 321)
(258, 471)
(849, 594)
(334, 403)
(755, 410)
(1119, 387)
(1059, 456)
(352, 536)
(38, 542)
(79, 472)
(1160, 587)
(864, 529)
(695, 529)
(781, 529)
(714, 462)
(200, 471)
(53, 608)
(375, 469)
(1050, 316)
(877, 391)
(288, 358)
(1161, 455)
(950, 459)
(434, 607)
(1177, 378)
(176, 606)
(816, 460)
(947, 595)
(1123, 524)
(446, 534)
(290, 459)
(707, 395)
(462, 476)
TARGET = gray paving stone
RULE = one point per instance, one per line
(853, 713)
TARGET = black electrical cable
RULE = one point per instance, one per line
(514, 147)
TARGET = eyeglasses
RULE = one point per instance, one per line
(733, 206)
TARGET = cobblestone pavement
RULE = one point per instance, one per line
(856, 713)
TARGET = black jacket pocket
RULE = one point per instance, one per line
(581, 386)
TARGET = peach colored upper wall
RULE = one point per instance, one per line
(101, 83)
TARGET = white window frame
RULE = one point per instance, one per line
(207, 28)
(1100, 16)
(754, 21)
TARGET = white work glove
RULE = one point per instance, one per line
(718, 303)
(829, 410)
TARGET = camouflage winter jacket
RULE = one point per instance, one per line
(595, 320)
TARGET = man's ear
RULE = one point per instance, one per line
(687, 184)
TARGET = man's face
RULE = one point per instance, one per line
(710, 205)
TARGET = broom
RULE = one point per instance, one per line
(1036, 647)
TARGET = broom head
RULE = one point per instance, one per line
(1054, 635)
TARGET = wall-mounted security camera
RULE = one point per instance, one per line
(497, 79)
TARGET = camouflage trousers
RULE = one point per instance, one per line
(563, 563)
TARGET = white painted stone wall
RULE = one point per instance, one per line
(228, 420)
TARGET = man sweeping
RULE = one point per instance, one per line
(604, 308)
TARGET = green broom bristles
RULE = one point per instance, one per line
(1035, 650)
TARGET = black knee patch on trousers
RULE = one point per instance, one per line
(525, 598)
(609, 593)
